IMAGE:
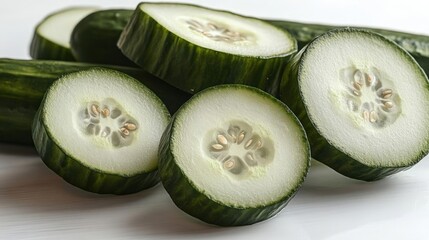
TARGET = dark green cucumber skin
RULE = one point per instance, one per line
(24, 82)
(94, 39)
(191, 67)
(79, 175)
(44, 49)
(321, 149)
(416, 45)
(196, 203)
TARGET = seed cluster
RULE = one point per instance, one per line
(215, 32)
(108, 121)
(367, 97)
(238, 150)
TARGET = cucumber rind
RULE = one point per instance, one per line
(321, 148)
(82, 175)
(43, 48)
(191, 67)
(196, 202)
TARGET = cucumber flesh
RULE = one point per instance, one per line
(238, 165)
(192, 47)
(51, 40)
(99, 129)
(363, 103)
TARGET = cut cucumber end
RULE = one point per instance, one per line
(238, 165)
(104, 127)
(364, 103)
(51, 40)
(193, 47)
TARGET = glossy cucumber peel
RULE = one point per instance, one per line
(192, 47)
(100, 129)
(24, 82)
(52, 35)
(238, 165)
(94, 39)
(363, 109)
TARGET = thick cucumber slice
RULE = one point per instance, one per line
(100, 129)
(52, 35)
(363, 101)
(24, 82)
(240, 163)
(192, 47)
(95, 37)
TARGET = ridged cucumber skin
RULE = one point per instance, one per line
(321, 149)
(196, 203)
(191, 67)
(94, 39)
(44, 49)
(24, 82)
(79, 175)
(416, 45)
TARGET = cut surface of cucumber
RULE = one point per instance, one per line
(221, 31)
(365, 100)
(51, 39)
(102, 122)
(193, 47)
(240, 163)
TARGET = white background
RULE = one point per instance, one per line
(37, 204)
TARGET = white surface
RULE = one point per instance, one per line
(36, 204)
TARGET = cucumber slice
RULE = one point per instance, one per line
(192, 47)
(52, 35)
(240, 163)
(95, 37)
(99, 129)
(363, 101)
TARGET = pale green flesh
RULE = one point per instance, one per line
(211, 153)
(122, 139)
(222, 31)
(366, 97)
(59, 26)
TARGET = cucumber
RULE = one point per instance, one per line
(239, 164)
(416, 45)
(94, 39)
(52, 35)
(363, 100)
(192, 47)
(99, 129)
(24, 82)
